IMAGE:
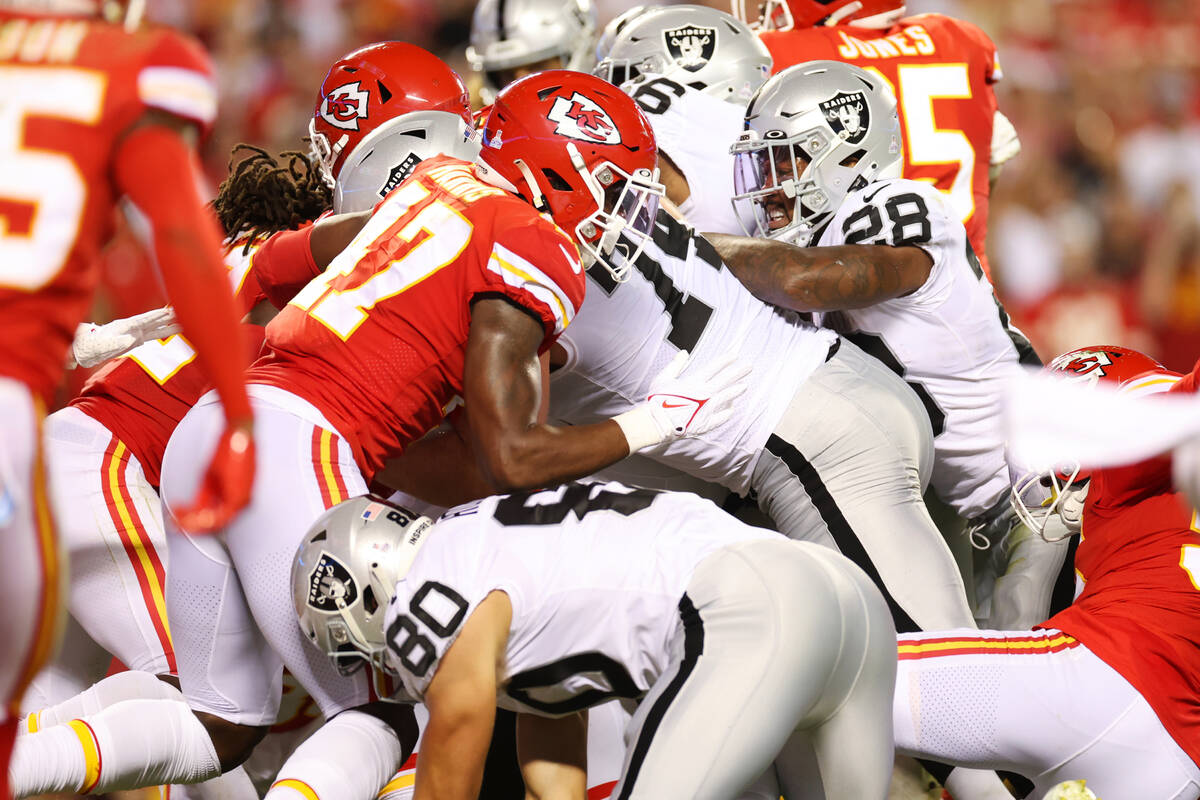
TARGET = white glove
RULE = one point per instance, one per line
(95, 344)
(678, 407)
(1185, 467)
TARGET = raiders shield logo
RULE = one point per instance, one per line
(329, 582)
(691, 45)
(345, 106)
(848, 113)
(395, 178)
(582, 118)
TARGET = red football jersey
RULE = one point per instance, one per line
(71, 89)
(377, 341)
(1139, 610)
(941, 70)
(142, 395)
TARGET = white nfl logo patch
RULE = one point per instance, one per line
(345, 106)
(692, 46)
(582, 118)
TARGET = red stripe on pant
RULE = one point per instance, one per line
(136, 541)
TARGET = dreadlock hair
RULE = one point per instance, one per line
(262, 196)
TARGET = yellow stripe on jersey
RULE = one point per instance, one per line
(296, 785)
(327, 467)
(91, 754)
(520, 273)
(31, 722)
(1031, 643)
(397, 783)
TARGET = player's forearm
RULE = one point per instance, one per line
(157, 171)
(814, 278)
(544, 455)
(452, 758)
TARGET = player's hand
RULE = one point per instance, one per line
(227, 484)
(685, 406)
(94, 344)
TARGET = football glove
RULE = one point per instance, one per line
(227, 484)
(94, 344)
(678, 406)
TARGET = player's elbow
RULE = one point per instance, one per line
(511, 464)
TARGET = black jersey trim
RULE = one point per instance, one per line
(843, 534)
(693, 647)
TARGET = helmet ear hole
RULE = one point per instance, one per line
(557, 182)
(369, 601)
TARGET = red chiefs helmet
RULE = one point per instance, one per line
(783, 15)
(1038, 496)
(372, 85)
(578, 148)
(1128, 369)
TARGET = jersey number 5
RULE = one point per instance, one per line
(924, 142)
(42, 193)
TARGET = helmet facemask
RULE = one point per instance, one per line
(1037, 497)
(323, 153)
(794, 183)
(615, 234)
(764, 15)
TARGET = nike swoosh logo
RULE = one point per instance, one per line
(572, 260)
(675, 405)
(871, 196)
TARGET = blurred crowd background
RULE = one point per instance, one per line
(1095, 227)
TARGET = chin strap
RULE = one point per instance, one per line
(539, 202)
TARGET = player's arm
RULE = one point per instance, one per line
(504, 389)
(553, 756)
(154, 165)
(823, 278)
(440, 469)
(461, 700)
(290, 259)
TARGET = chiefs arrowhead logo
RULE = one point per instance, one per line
(1087, 366)
(582, 118)
(345, 106)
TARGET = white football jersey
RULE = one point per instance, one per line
(594, 572)
(695, 131)
(951, 340)
(680, 296)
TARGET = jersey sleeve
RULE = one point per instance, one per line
(904, 213)
(284, 265)
(239, 260)
(177, 76)
(536, 267)
(978, 45)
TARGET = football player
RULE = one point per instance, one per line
(883, 260)
(514, 38)
(105, 455)
(462, 282)
(835, 447)
(1105, 690)
(93, 112)
(692, 68)
(941, 69)
(550, 602)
